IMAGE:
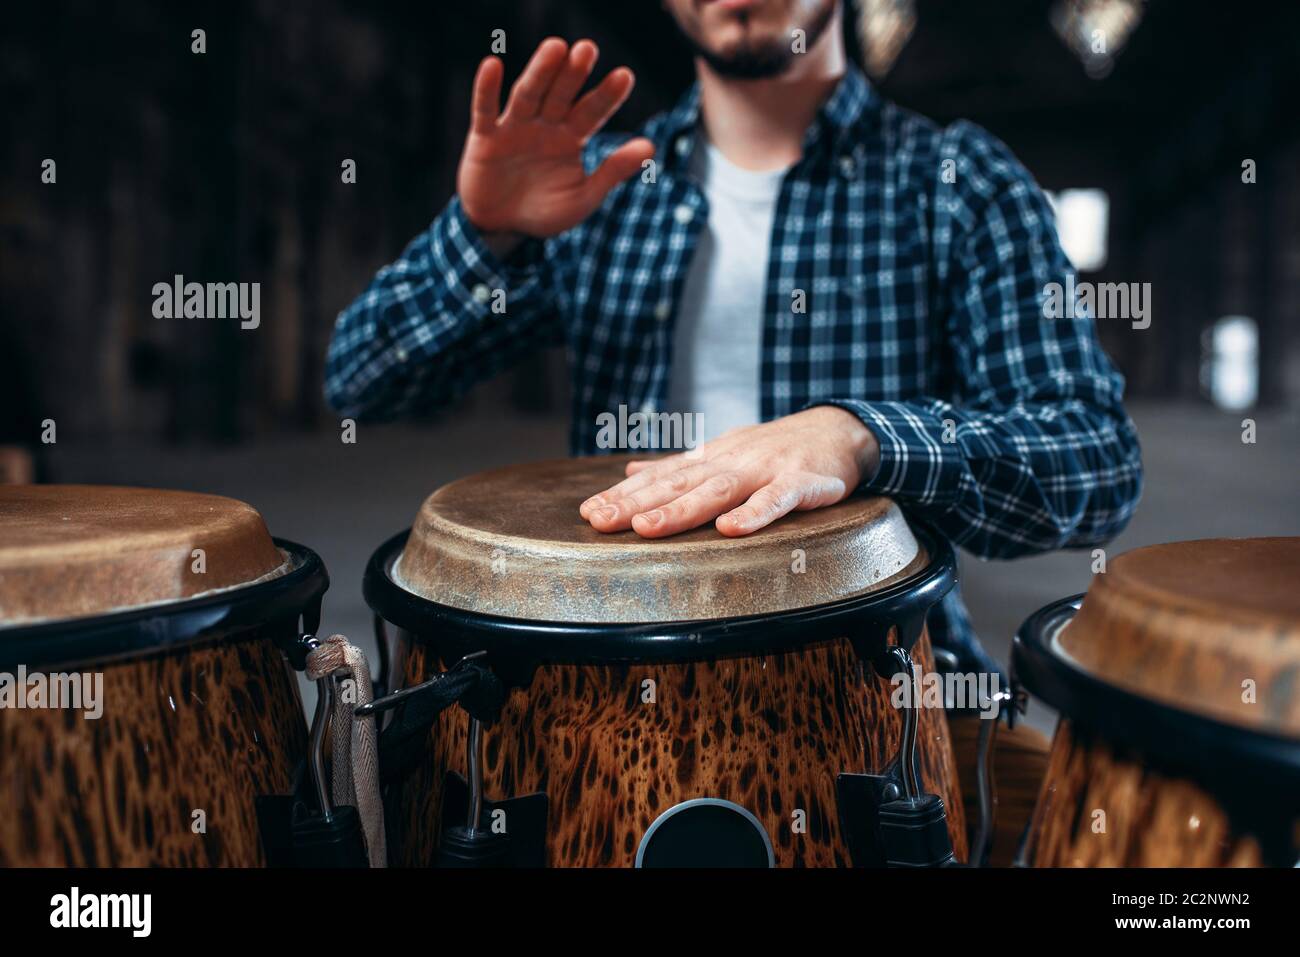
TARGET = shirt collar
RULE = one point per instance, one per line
(848, 104)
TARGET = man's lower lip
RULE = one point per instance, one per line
(733, 4)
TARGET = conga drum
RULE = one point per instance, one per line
(1179, 738)
(148, 713)
(688, 701)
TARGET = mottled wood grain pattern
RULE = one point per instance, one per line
(1151, 820)
(769, 733)
(208, 727)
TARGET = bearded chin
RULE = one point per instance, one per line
(761, 60)
(748, 61)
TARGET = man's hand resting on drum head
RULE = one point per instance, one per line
(521, 173)
(745, 479)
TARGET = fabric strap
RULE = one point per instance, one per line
(355, 741)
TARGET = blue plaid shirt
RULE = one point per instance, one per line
(922, 284)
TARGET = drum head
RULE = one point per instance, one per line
(510, 542)
(70, 551)
(1210, 627)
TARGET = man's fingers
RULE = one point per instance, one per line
(663, 463)
(784, 494)
(582, 58)
(646, 471)
(707, 501)
(641, 493)
(780, 497)
(619, 165)
(590, 113)
(529, 90)
(485, 101)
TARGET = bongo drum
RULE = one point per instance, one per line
(170, 614)
(1179, 739)
(688, 701)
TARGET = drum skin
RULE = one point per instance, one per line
(1150, 819)
(770, 733)
(210, 727)
(70, 551)
(511, 542)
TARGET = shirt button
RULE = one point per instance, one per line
(401, 354)
(482, 293)
(663, 310)
(683, 145)
(648, 407)
(683, 214)
(848, 167)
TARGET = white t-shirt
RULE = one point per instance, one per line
(718, 338)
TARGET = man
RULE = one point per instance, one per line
(853, 293)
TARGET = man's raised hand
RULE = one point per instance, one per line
(521, 173)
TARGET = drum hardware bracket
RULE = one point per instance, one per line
(402, 695)
(382, 683)
(887, 818)
(468, 683)
(1010, 704)
(525, 817)
(471, 844)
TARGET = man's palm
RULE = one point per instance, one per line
(522, 170)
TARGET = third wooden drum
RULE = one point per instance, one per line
(694, 700)
(1176, 678)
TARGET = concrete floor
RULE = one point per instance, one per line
(344, 500)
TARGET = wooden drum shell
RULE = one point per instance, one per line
(1152, 819)
(207, 726)
(769, 733)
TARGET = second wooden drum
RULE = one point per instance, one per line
(166, 618)
(690, 700)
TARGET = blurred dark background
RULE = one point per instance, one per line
(226, 166)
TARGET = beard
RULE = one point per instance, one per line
(759, 59)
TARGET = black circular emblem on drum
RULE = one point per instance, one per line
(705, 832)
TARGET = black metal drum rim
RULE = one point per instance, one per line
(617, 642)
(158, 628)
(1174, 739)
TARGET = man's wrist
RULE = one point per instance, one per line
(861, 440)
